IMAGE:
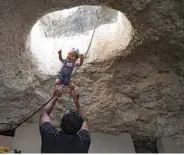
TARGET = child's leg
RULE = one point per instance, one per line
(71, 86)
(57, 83)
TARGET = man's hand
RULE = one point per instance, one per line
(57, 92)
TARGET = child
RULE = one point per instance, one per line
(65, 73)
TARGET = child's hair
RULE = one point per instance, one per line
(76, 51)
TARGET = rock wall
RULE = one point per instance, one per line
(78, 22)
(139, 91)
(111, 35)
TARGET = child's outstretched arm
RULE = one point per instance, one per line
(81, 60)
(60, 55)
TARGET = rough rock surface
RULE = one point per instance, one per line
(78, 22)
(110, 37)
(140, 91)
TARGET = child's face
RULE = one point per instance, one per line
(72, 56)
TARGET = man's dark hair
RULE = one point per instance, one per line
(71, 122)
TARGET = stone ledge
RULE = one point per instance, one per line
(166, 145)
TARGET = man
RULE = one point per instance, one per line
(74, 136)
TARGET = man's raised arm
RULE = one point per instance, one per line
(82, 113)
(44, 116)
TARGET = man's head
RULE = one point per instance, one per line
(71, 122)
(73, 55)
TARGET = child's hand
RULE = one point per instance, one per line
(59, 52)
(81, 56)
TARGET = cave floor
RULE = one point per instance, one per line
(27, 140)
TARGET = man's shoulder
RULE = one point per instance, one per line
(47, 128)
(84, 131)
(84, 135)
(46, 124)
(85, 140)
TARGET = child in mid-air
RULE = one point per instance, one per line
(65, 73)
